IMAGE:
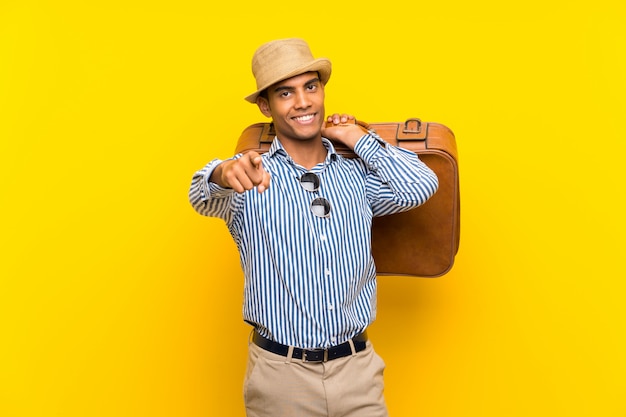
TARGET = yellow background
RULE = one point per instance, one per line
(117, 299)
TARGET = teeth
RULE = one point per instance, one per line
(304, 118)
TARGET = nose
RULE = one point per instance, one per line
(302, 100)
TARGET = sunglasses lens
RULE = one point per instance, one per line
(310, 181)
(320, 207)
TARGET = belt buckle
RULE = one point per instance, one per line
(324, 358)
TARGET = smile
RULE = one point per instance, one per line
(305, 118)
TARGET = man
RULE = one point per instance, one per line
(304, 237)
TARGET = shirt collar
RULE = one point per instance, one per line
(277, 149)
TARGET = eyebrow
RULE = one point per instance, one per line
(289, 88)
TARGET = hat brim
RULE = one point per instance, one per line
(321, 65)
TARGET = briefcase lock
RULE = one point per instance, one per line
(412, 125)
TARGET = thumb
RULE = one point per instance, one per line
(255, 159)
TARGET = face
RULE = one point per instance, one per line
(296, 106)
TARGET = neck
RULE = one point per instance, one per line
(306, 153)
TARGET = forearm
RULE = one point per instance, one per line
(399, 180)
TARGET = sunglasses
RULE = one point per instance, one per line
(320, 206)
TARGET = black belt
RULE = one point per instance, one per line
(312, 355)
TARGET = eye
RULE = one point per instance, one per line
(311, 87)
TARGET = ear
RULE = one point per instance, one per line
(264, 106)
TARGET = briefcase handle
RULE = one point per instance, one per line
(412, 129)
(416, 130)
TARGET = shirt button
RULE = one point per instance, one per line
(323, 237)
(333, 340)
(331, 307)
(327, 272)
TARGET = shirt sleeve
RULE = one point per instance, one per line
(208, 198)
(397, 179)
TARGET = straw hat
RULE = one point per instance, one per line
(284, 58)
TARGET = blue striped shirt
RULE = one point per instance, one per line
(311, 281)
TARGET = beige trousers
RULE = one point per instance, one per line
(277, 386)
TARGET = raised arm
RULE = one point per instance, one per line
(397, 179)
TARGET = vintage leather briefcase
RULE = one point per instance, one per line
(424, 241)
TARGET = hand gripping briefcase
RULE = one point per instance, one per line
(421, 242)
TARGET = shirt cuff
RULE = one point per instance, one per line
(210, 189)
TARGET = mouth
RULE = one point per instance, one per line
(304, 119)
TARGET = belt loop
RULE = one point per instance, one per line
(352, 348)
(289, 355)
